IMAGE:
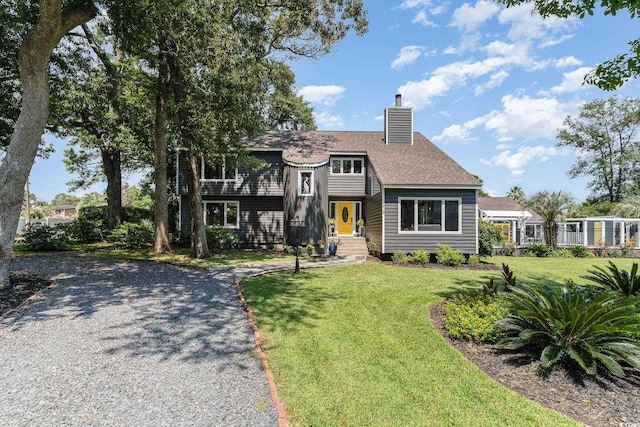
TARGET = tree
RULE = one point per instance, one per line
(63, 199)
(605, 135)
(628, 208)
(551, 206)
(221, 70)
(51, 23)
(517, 194)
(613, 73)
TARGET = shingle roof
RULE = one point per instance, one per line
(419, 164)
(504, 204)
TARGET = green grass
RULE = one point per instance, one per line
(354, 346)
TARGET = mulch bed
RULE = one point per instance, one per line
(23, 287)
(602, 400)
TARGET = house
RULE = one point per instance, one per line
(408, 192)
(517, 224)
(602, 231)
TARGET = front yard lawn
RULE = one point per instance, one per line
(354, 346)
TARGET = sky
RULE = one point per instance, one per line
(489, 86)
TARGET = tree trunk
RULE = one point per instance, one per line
(199, 246)
(35, 53)
(161, 199)
(112, 165)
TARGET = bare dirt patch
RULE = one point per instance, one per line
(23, 287)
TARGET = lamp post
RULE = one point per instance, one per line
(297, 223)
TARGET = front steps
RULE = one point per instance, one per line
(347, 246)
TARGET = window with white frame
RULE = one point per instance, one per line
(430, 215)
(347, 166)
(222, 170)
(222, 214)
(305, 183)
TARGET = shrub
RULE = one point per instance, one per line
(41, 237)
(131, 236)
(623, 281)
(90, 224)
(488, 235)
(561, 253)
(490, 288)
(222, 239)
(446, 255)
(289, 250)
(508, 277)
(572, 323)
(580, 252)
(472, 317)
(309, 249)
(420, 257)
(473, 261)
(400, 257)
(538, 249)
(507, 249)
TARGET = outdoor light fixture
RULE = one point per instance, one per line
(298, 223)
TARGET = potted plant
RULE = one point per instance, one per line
(332, 226)
(333, 247)
(360, 227)
(321, 243)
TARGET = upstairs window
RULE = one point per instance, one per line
(429, 215)
(347, 166)
(222, 170)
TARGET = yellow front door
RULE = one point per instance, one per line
(345, 218)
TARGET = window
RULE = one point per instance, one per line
(220, 171)
(305, 182)
(430, 215)
(341, 166)
(222, 214)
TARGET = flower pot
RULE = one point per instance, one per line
(333, 248)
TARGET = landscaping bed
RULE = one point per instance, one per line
(23, 287)
(602, 400)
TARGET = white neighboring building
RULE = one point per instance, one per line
(518, 225)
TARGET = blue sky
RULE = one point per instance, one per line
(490, 86)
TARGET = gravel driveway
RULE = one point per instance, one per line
(120, 343)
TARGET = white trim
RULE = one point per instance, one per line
(347, 153)
(311, 183)
(178, 172)
(224, 212)
(305, 165)
(180, 215)
(442, 215)
(342, 159)
(279, 150)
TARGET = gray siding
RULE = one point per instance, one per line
(312, 209)
(347, 185)
(465, 242)
(373, 219)
(261, 219)
(398, 125)
(266, 181)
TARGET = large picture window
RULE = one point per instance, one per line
(222, 214)
(347, 166)
(222, 170)
(430, 215)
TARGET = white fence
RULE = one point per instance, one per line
(46, 221)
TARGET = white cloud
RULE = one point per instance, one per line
(496, 80)
(572, 81)
(567, 61)
(453, 133)
(528, 25)
(422, 19)
(325, 95)
(469, 18)
(516, 161)
(325, 120)
(410, 4)
(408, 55)
(527, 118)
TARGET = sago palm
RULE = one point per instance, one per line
(628, 283)
(575, 323)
